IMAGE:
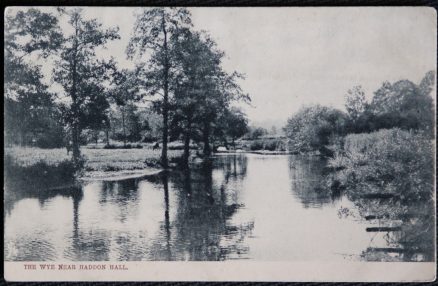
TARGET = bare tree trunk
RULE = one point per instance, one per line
(75, 105)
(22, 137)
(123, 125)
(164, 160)
(107, 136)
(75, 143)
(206, 138)
(187, 143)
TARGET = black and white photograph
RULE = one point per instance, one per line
(219, 136)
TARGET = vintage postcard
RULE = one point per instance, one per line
(220, 144)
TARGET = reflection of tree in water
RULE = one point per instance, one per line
(42, 250)
(306, 175)
(122, 193)
(201, 229)
(412, 222)
(13, 193)
(84, 244)
(95, 244)
(409, 217)
(234, 166)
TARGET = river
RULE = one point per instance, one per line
(247, 206)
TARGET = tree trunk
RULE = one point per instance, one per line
(164, 160)
(123, 125)
(75, 105)
(75, 143)
(187, 143)
(22, 138)
(206, 138)
(107, 136)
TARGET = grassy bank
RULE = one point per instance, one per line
(97, 159)
(22, 176)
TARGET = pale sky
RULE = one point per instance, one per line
(300, 56)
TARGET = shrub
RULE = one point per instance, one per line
(256, 145)
(268, 144)
(180, 146)
(271, 145)
(109, 146)
(387, 161)
(312, 127)
(127, 146)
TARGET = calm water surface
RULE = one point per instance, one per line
(255, 207)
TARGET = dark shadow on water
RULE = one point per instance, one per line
(307, 178)
(201, 222)
(413, 239)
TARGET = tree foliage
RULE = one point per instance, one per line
(355, 103)
(82, 74)
(29, 107)
(156, 31)
(311, 127)
(404, 104)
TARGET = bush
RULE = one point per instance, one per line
(388, 161)
(256, 145)
(180, 146)
(312, 127)
(268, 144)
(128, 146)
(52, 138)
(149, 138)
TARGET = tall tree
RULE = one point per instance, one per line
(125, 92)
(95, 114)
(155, 30)
(29, 34)
(355, 102)
(236, 124)
(79, 70)
(220, 91)
(312, 127)
(204, 90)
(196, 63)
(404, 104)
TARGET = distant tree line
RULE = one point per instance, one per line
(403, 105)
(178, 71)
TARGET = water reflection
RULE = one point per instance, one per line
(411, 224)
(201, 226)
(307, 174)
(232, 207)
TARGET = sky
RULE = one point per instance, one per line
(301, 56)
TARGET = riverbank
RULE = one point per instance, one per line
(100, 164)
(260, 152)
(102, 160)
(119, 175)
